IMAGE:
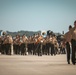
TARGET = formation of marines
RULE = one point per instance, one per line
(35, 45)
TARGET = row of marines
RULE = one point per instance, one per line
(36, 44)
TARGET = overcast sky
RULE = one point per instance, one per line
(34, 15)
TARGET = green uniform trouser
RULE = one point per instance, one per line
(73, 50)
(68, 51)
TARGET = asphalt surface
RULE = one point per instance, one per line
(35, 65)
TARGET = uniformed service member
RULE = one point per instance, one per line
(67, 39)
(73, 42)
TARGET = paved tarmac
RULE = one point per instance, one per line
(35, 65)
